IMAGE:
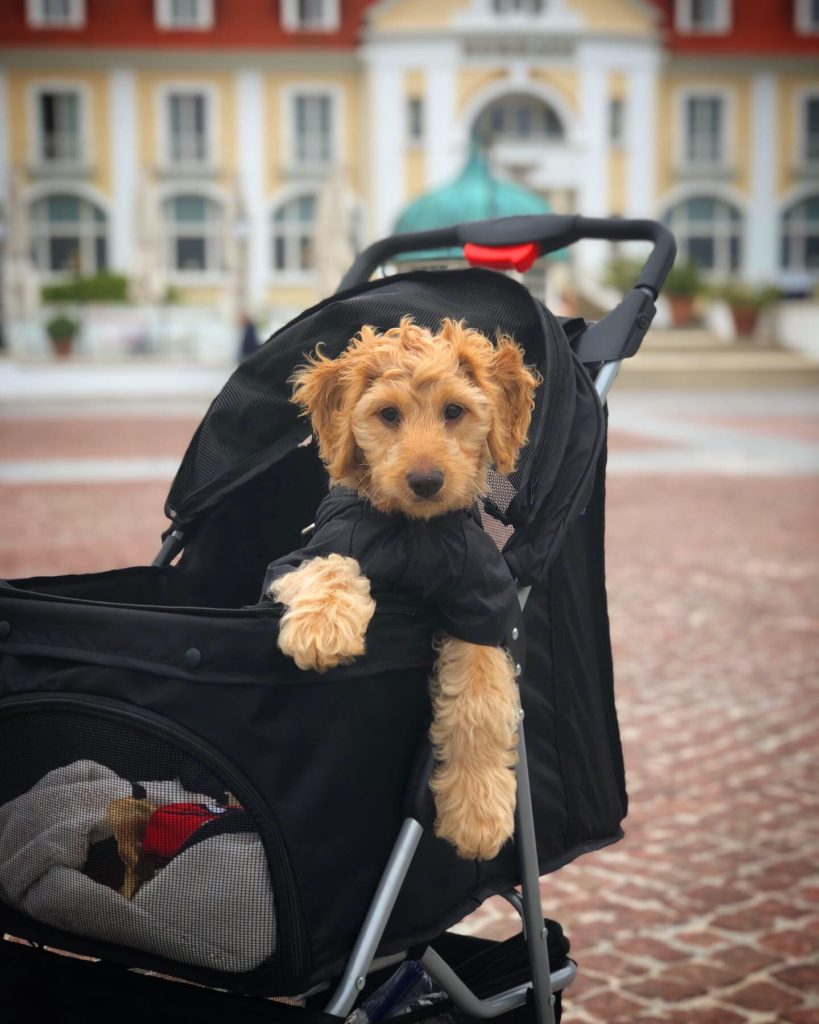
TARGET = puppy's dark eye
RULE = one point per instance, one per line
(389, 415)
(453, 412)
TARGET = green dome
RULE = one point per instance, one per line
(473, 195)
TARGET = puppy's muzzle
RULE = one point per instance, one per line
(426, 484)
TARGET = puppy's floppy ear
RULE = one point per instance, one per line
(322, 391)
(499, 371)
(515, 400)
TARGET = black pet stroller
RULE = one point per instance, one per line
(286, 848)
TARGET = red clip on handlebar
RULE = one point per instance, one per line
(502, 257)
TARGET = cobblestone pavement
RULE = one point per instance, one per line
(708, 911)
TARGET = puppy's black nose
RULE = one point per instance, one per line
(426, 484)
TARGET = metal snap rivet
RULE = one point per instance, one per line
(193, 658)
(5, 630)
(518, 670)
(515, 633)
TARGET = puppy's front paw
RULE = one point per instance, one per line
(328, 610)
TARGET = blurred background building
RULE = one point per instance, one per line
(230, 157)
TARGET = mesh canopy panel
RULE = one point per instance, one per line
(112, 833)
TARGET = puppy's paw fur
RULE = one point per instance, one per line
(474, 732)
(328, 608)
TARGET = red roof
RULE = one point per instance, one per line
(131, 24)
(757, 27)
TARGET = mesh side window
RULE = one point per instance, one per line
(112, 833)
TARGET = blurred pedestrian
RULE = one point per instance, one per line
(249, 340)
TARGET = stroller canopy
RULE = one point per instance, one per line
(252, 423)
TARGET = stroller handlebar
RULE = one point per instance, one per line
(548, 231)
(619, 333)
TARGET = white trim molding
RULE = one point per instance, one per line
(802, 164)
(218, 275)
(38, 162)
(805, 18)
(723, 166)
(685, 23)
(328, 17)
(188, 87)
(309, 89)
(123, 132)
(251, 130)
(200, 19)
(761, 256)
(40, 15)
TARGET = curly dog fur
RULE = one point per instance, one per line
(393, 405)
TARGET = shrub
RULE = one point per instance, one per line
(62, 326)
(745, 296)
(684, 279)
(622, 273)
(103, 287)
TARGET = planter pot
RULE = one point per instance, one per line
(682, 309)
(62, 347)
(745, 319)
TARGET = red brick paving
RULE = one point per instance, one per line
(793, 428)
(707, 912)
(94, 437)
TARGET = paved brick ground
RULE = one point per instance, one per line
(708, 912)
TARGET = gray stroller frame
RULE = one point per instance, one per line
(602, 348)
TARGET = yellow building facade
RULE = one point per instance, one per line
(245, 179)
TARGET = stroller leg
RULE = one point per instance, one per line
(352, 981)
(532, 914)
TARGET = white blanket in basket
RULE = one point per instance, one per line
(211, 906)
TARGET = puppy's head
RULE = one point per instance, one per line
(412, 419)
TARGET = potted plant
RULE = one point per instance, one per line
(746, 302)
(62, 330)
(682, 286)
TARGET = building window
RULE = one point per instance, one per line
(55, 13)
(617, 122)
(708, 232)
(313, 129)
(184, 14)
(518, 6)
(59, 117)
(704, 126)
(310, 15)
(703, 17)
(806, 17)
(194, 232)
(187, 128)
(517, 119)
(68, 235)
(800, 235)
(415, 120)
(809, 149)
(294, 229)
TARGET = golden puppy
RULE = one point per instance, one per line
(408, 423)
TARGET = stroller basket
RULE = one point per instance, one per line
(176, 796)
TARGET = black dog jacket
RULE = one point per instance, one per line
(448, 563)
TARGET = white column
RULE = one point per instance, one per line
(387, 117)
(761, 246)
(443, 153)
(593, 178)
(123, 137)
(251, 131)
(641, 139)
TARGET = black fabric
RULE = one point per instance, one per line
(447, 563)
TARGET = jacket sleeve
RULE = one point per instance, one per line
(333, 538)
(476, 601)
